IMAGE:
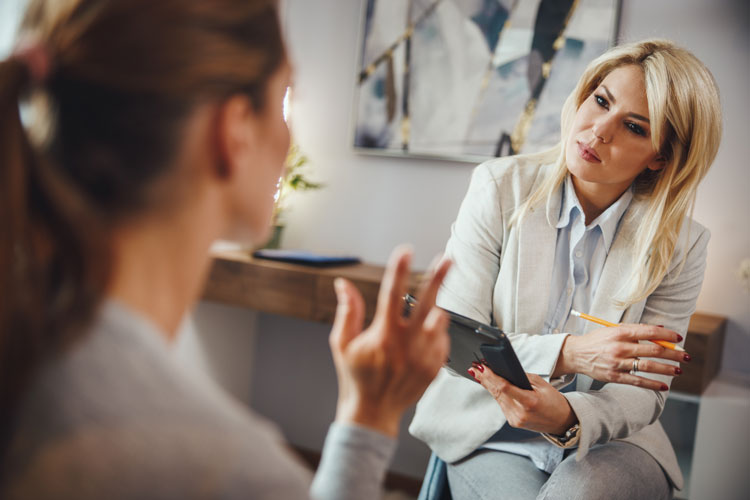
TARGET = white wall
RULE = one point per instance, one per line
(10, 15)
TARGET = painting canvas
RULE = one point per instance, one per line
(472, 78)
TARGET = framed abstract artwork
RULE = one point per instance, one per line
(472, 79)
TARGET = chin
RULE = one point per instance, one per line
(249, 236)
(582, 170)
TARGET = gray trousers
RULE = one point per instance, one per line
(616, 470)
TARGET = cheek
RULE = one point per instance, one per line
(582, 117)
(285, 142)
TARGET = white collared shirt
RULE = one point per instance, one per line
(580, 253)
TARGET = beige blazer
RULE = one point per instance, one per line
(501, 275)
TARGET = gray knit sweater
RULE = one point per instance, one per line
(118, 417)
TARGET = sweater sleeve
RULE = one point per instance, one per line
(353, 464)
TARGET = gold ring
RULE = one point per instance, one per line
(635, 365)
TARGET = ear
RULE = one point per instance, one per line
(658, 163)
(235, 136)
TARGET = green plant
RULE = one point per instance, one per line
(293, 179)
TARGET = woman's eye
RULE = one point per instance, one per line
(601, 101)
(636, 129)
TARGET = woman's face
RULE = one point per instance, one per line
(610, 141)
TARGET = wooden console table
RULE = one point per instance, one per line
(299, 291)
(307, 293)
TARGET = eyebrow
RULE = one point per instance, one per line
(614, 101)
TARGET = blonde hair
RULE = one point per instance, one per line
(685, 116)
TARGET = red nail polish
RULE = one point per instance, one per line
(480, 368)
(678, 371)
(484, 361)
(660, 326)
(471, 372)
(664, 387)
(687, 358)
(679, 338)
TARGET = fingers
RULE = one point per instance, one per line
(630, 379)
(650, 332)
(536, 380)
(651, 350)
(499, 387)
(394, 284)
(436, 343)
(428, 291)
(648, 366)
(350, 313)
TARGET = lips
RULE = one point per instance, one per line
(587, 153)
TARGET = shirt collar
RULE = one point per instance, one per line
(607, 220)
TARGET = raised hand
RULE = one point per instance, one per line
(384, 369)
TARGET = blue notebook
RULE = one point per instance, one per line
(304, 257)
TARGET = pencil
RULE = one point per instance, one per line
(603, 322)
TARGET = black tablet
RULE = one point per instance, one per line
(472, 340)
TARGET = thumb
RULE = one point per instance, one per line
(536, 380)
(349, 315)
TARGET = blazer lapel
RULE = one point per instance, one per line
(536, 258)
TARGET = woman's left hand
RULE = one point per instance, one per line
(542, 409)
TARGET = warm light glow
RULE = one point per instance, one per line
(277, 194)
(286, 104)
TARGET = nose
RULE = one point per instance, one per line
(603, 129)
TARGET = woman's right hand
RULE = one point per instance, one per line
(385, 369)
(608, 355)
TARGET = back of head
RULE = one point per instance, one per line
(110, 85)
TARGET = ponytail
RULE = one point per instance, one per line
(52, 260)
(116, 92)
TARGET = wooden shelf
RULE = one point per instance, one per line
(295, 290)
(704, 343)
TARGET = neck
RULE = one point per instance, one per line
(596, 198)
(159, 266)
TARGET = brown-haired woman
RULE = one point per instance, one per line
(157, 127)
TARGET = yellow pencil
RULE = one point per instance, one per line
(604, 322)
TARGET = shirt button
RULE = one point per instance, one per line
(570, 290)
(556, 330)
(579, 254)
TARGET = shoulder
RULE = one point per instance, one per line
(521, 170)
(513, 177)
(120, 410)
(692, 243)
(180, 459)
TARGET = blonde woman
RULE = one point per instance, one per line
(600, 224)
(167, 132)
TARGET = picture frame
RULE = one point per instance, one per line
(469, 80)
